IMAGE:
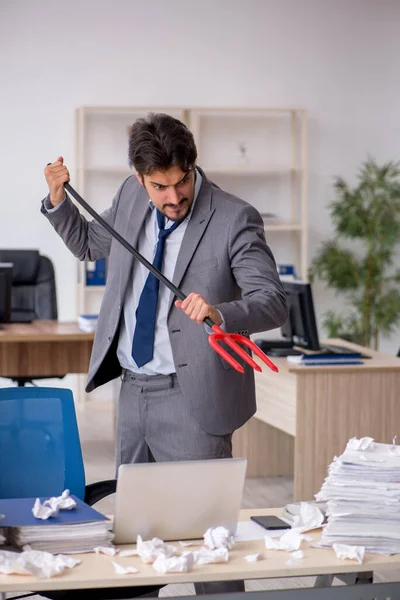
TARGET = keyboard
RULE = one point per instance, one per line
(269, 344)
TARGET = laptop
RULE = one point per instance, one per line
(177, 500)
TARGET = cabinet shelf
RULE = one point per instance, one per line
(109, 170)
(278, 225)
(209, 170)
(245, 170)
(94, 288)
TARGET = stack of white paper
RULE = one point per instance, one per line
(73, 537)
(362, 492)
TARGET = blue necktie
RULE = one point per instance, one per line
(143, 337)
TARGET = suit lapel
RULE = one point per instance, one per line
(134, 223)
(202, 213)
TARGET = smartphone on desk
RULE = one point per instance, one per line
(270, 522)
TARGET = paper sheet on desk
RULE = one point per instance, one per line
(249, 530)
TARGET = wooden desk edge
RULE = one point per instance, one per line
(236, 568)
(43, 330)
(379, 361)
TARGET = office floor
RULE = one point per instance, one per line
(95, 421)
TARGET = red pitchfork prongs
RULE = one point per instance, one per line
(230, 339)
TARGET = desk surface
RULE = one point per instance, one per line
(97, 571)
(43, 331)
(378, 361)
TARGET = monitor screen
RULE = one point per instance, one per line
(301, 325)
(6, 270)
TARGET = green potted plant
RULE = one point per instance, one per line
(359, 262)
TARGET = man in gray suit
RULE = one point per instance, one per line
(179, 399)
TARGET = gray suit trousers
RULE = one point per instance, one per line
(156, 424)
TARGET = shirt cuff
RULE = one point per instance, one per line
(223, 326)
(48, 207)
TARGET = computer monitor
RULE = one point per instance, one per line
(300, 329)
(301, 326)
(6, 270)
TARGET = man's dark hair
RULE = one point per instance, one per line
(158, 142)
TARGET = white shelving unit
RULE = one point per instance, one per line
(257, 154)
(260, 155)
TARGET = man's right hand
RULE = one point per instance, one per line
(56, 175)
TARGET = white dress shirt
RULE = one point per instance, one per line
(162, 362)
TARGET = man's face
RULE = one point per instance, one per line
(171, 191)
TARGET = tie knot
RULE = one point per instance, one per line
(163, 233)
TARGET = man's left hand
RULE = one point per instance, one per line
(195, 307)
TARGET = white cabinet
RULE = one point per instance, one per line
(257, 154)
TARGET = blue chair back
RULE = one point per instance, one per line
(40, 450)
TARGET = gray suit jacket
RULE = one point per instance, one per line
(223, 257)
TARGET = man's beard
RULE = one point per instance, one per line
(182, 203)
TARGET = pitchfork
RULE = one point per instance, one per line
(230, 339)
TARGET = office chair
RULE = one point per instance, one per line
(40, 455)
(33, 293)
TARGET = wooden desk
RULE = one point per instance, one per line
(306, 415)
(45, 348)
(97, 571)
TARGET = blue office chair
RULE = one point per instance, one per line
(40, 455)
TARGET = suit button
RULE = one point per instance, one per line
(109, 339)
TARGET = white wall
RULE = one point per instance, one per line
(336, 58)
